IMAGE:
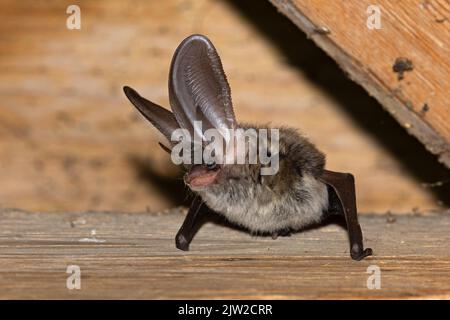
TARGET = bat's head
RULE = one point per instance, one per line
(199, 94)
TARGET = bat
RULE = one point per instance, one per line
(302, 192)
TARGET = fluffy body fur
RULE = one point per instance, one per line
(289, 200)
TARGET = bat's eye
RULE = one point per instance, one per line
(211, 165)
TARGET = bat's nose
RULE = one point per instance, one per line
(200, 176)
(194, 172)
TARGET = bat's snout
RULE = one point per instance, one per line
(200, 176)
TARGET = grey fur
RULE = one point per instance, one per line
(289, 200)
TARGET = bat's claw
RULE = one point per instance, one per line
(181, 242)
(357, 253)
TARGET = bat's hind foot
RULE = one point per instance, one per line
(357, 253)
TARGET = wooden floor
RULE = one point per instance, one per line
(132, 255)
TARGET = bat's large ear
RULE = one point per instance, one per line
(161, 118)
(198, 87)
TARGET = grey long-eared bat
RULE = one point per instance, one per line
(299, 194)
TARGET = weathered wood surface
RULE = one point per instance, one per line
(133, 256)
(417, 30)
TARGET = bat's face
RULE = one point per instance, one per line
(227, 178)
(224, 185)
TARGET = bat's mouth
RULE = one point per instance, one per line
(201, 176)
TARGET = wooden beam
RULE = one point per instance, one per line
(417, 31)
(133, 255)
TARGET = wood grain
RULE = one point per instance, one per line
(417, 30)
(132, 255)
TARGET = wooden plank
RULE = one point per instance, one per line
(132, 255)
(416, 30)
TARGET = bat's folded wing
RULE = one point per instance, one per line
(344, 198)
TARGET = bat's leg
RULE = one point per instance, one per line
(190, 224)
(343, 184)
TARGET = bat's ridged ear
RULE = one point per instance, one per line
(161, 118)
(198, 87)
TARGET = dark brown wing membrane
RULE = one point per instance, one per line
(343, 187)
(198, 87)
(161, 118)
